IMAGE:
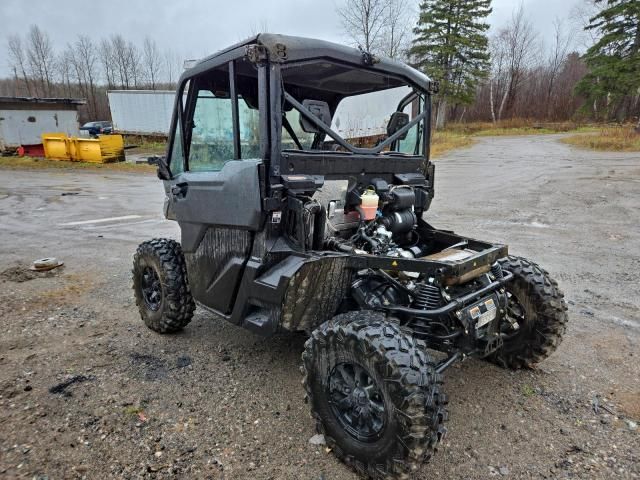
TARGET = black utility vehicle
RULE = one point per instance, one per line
(297, 214)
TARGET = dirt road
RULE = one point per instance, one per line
(87, 391)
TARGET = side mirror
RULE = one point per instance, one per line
(163, 169)
(320, 110)
(397, 121)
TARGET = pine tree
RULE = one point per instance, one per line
(612, 87)
(451, 46)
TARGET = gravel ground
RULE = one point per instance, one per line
(86, 391)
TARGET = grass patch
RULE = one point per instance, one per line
(28, 163)
(617, 139)
(515, 126)
(156, 144)
(528, 390)
(445, 141)
(131, 410)
(152, 147)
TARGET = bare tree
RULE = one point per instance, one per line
(41, 58)
(76, 69)
(133, 62)
(497, 75)
(152, 61)
(120, 58)
(556, 59)
(172, 67)
(364, 22)
(580, 15)
(18, 60)
(87, 57)
(515, 44)
(64, 70)
(397, 30)
(107, 61)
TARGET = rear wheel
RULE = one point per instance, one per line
(161, 287)
(374, 394)
(537, 308)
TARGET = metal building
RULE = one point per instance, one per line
(23, 119)
(142, 112)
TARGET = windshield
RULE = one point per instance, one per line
(363, 108)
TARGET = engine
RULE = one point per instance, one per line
(384, 223)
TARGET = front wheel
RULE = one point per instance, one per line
(161, 287)
(536, 315)
(374, 394)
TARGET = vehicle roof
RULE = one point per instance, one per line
(301, 48)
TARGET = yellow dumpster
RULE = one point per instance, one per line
(104, 149)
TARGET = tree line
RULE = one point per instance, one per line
(86, 68)
(513, 72)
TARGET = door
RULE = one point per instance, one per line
(214, 193)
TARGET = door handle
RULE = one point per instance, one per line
(179, 190)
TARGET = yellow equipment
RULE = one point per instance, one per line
(104, 149)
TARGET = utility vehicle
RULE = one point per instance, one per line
(298, 213)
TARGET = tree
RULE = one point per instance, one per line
(396, 34)
(514, 46)
(377, 26)
(613, 83)
(152, 61)
(107, 61)
(86, 56)
(133, 60)
(451, 46)
(41, 58)
(364, 22)
(64, 69)
(172, 67)
(120, 58)
(555, 61)
(18, 60)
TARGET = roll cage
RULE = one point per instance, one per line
(256, 71)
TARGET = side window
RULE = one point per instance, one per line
(305, 139)
(176, 162)
(249, 119)
(211, 134)
(176, 156)
(413, 144)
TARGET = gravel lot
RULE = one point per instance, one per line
(86, 391)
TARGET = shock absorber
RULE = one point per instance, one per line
(496, 270)
(427, 296)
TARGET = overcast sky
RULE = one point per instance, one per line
(195, 28)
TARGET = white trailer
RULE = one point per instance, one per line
(141, 112)
(148, 112)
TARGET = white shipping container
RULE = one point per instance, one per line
(25, 127)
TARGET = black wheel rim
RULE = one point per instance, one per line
(151, 288)
(356, 401)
